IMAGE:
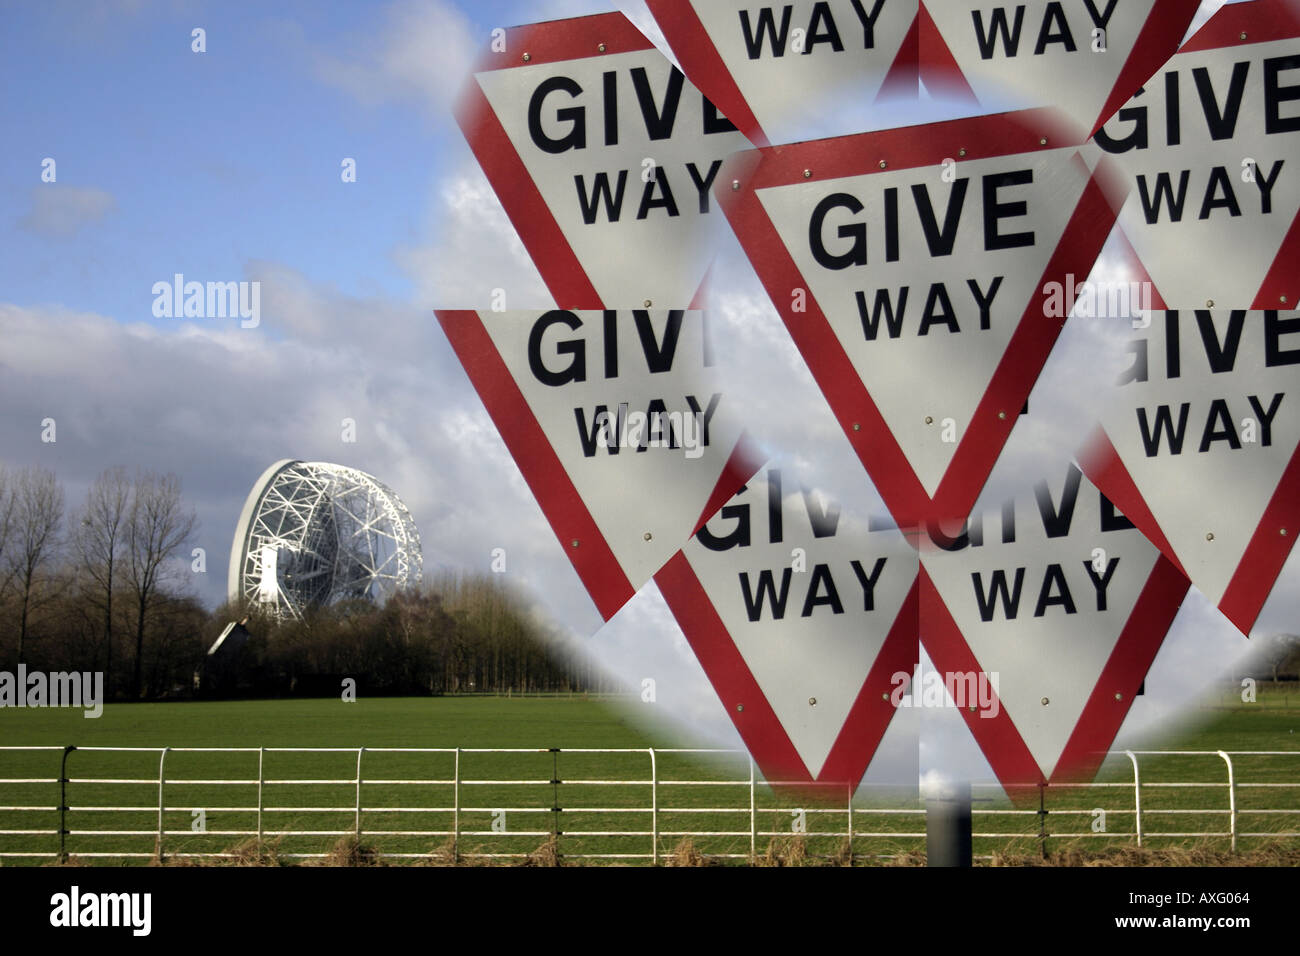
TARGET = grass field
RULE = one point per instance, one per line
(506, 802)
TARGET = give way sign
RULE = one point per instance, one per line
(1198, 445)
(914, 270)
(617, 423)
(1085, 57)
(603, 156)
(1059, 605)
(772, 66)
(1211, 145)
(802, 617)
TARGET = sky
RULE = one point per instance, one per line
(229, 165)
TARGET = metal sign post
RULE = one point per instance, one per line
(948, 825)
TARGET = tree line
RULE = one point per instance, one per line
(456, 634)
(105, 586)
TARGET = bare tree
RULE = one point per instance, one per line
(101, 541)
(8, 507)
(37, 514)
(1279, 652)
(156, 529)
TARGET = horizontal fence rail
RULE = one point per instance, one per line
(648, 806)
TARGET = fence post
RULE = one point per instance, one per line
(753, 825)
(260, 778)
(654, 809)
(455, 813)
(1137, 797)
(555, 799)
(849, 787)
(360, 751)
(1232, 801)
(1042, 818)
(63, 804)
(162, 761)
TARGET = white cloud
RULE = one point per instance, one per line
(474, 249)
(422, 51)
(216, 404)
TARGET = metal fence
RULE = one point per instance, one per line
(585, 805)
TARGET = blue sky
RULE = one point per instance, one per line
(209, 160)
(200, 163)
(225, 165)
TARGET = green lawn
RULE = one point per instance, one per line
(408, 792)
(367, 722)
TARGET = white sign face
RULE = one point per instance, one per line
(617, 423)
(815, 613)
(1040, 599)
(1206, 423)
(1071, 56)
(1210, 146)
(604, 161)
(941, 282)
(770, 66)
(923, 255)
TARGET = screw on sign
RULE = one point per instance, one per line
(1199, 446)
(603, 156)
(618, 424)
(916, 277)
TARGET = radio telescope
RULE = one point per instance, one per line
(314, 533)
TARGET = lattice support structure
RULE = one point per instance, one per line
(314, 533)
